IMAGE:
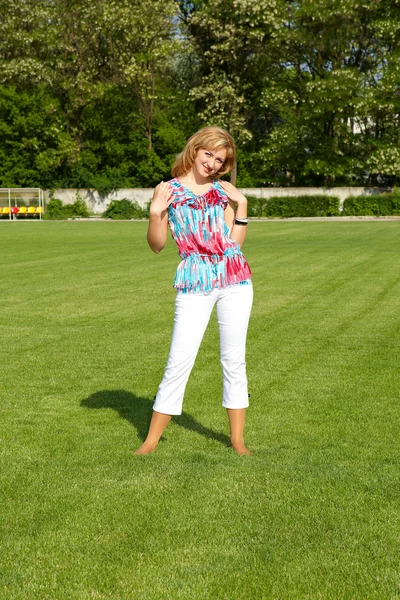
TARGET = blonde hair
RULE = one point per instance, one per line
(210, 138)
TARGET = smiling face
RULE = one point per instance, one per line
(208, 162)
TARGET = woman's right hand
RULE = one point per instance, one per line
(162, 198)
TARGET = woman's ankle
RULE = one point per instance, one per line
(240, 447)
(158, 423)
(147, 447)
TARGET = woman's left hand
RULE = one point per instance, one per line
(233, 193)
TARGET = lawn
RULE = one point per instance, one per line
(86, 318)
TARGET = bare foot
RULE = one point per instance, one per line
(146, 448)
(240, 448)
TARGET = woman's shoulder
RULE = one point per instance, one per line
(175, 183)
(178, 188)
(218, 187)
(181, 196)
(220, 196)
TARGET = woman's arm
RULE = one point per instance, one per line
(238, 232)
(158, 223)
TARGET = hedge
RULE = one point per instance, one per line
(320, 205)
(324, 206)
(372, 205)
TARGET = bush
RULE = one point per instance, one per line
(372, 205)
(294, 206)
(77, 209)
(125, 209)
(55, 209)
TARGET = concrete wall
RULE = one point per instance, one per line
(98, 204)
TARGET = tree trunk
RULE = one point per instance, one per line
(234, 173)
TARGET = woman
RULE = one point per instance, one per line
(207, 218)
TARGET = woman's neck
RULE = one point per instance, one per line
(196, 179)
(195, 182)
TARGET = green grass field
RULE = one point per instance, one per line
(314, 513)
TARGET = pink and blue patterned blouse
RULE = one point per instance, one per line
(210, 259)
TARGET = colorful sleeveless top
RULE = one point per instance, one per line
(210, 259)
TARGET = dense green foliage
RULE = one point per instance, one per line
(87, 312)
(103, 94)
(55, 209)
(125, 209)
(325, 206)
(294, 206)
(384, 204)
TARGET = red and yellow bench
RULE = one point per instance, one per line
(20, 211)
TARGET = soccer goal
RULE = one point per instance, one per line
(21, 203)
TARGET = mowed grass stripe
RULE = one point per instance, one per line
(87, 314)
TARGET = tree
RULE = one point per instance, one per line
(232, 39)
(142, 43)
(33, 138)
(28, 42)
(333, 66)
(308, 88)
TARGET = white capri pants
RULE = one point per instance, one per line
(192, 314)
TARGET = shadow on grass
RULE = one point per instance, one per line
(138, 412)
